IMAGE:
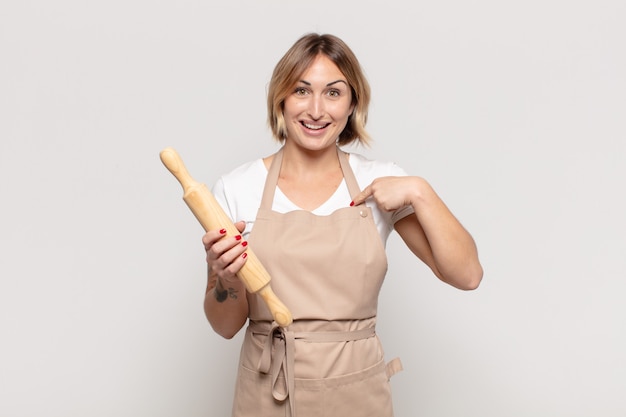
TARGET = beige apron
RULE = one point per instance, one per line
(328, 270)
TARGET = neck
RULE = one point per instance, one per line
(302, 163)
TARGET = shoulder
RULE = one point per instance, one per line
(239, 191)
(243, 177)
(245, 171)
(366, 169)
(241, 188)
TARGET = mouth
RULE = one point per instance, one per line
(314, 126)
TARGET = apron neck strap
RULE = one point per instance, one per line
(348, 174)
(271, 181)
(272, 178)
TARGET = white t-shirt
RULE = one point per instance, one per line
(240, 191)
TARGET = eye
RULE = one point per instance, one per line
(300, 91)
(334, 93)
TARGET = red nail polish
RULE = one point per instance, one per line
(244, 244)
(222, 231)
(238, 237)
(351, 203)
(244, 255)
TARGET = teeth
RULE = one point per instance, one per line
(313, 127)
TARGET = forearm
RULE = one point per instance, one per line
(226, 305)
(453, 249)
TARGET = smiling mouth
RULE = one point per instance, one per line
(314, 127)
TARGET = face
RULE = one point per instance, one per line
(317, 109)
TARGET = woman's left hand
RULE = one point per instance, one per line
(389, 193)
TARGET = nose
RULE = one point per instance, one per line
(316, 107)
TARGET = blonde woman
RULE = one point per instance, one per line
(318, 219)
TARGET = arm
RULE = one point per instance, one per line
(433, 234)
(225, 302)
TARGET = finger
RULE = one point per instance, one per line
(231, 261)
(220, 247)
(212, 236)
(241, 226)
(362, 196)
(235, 266)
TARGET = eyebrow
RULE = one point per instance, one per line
(327, 85)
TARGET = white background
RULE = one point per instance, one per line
(514, 111)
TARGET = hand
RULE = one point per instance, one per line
(225, 255)
(389, 193)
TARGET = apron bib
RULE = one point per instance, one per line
(328, 270)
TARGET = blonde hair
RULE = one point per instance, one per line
(296, 61)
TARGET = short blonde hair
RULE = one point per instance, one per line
(296, 61)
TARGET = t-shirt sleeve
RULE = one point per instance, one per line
(219, 192)
(402, 212)
(239, 192)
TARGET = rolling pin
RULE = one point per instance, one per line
(211, 216)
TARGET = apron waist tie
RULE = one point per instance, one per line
(283, 358)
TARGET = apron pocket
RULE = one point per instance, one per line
(253, 396)
(365, 393)
(362, 394)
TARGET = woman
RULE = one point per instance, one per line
(320, 231)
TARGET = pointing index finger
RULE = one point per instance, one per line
(362, 196)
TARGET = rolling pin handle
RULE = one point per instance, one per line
(174, 163)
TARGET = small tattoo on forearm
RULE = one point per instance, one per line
(221, 293)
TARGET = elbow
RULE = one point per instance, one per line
(225, 330)
(226, 333)
(468, 280)
(472, 280)
(471, 285)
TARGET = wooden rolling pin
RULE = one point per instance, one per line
(211, 216)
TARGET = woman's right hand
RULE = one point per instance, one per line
(225, 255)
(225, 301)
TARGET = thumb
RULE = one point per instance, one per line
(240, 225)
(362, 196)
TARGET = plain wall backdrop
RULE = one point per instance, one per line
(514, 111)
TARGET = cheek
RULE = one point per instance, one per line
(292, 108)
(342, 111)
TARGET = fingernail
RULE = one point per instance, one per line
(238, 237)
(245, 255)
(222, 231)
(244, 244)
(351, 203)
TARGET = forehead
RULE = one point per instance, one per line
(322, 68)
